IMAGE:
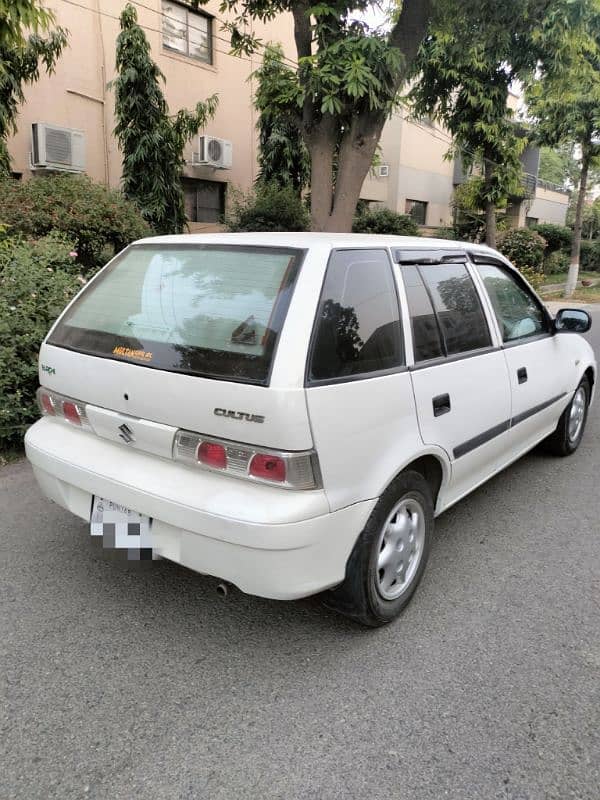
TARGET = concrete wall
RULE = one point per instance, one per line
(76, 96)
(549, 206)
(415, 154)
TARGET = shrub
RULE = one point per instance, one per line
(267, 208)
(558, 237)
(524, 247)
(382, 220)
(37, 279)
(91, 215)
(589, 257)
(535, 278)
(445, 233)
(558, 261)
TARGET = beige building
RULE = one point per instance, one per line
(73, 110)
(549, 204)
(415, 177)
(68, 117)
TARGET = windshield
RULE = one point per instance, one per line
(207, 310)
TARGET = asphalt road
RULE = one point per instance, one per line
(123, 682)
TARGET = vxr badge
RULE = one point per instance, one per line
(126, 434)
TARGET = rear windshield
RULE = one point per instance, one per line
(207, 310)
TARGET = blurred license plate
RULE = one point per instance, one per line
(120, 527)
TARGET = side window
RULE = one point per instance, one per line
(458, 307)
(427, 340)
(518, 312)
(446, 314)
(358, 324)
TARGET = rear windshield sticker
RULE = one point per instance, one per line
(141, 355)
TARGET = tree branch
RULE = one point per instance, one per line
(303, 38)
(408, 32)
(302, 29)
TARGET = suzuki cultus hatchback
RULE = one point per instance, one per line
(288, 412)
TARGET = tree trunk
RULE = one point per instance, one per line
(576, 246)
(334, 197)
(321, 146)
(334, 210)
(490, 208)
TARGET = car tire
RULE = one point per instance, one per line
(390, 555)
(571, 425)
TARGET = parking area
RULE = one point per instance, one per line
(137, 681)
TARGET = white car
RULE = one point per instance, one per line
(289, 412)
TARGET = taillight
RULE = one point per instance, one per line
(268, 467)
(212, 454)
(254, 463)
(67, 409)
(70, 412)
(46, 405)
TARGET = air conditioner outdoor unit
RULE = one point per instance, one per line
(59, 148)
(213, 152)
(383, 171)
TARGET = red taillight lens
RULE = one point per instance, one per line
(212, 454)
(71, 413)
(271, 468)
(293, 470)
(47, 404)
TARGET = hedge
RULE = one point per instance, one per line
(37, 280)
(99, 221)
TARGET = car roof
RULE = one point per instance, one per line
(310, 239)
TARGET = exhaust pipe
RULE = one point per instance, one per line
(222, 590)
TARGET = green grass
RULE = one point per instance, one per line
(586, 294)
(561, 277)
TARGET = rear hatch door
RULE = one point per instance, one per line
(173, 336)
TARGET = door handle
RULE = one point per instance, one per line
(441, 405)
(522, 375)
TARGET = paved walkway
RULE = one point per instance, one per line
(555, 305)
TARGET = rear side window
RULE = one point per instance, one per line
(208, 310)
(358, 325)
(461, 323)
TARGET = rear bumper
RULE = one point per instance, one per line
(267, 541)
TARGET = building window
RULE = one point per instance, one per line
(531, 221)
(186, 32)
(417, 209)
(204, 200)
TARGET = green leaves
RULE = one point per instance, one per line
(22, 50)
(151, 140)
(268, 207)
(19, 18)
(283, 158)
(463, 76)
(354, 74)
(37, 280)
(344, 85)
(565, 98)
(98, 220)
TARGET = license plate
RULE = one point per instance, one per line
(120, 527)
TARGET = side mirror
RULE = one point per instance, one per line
(572, 320)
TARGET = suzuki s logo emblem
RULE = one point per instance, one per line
(126, 434)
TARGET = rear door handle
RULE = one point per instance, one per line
(441, 405)
(522, 375)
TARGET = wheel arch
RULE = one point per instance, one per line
(590, 374)
(434, 467)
